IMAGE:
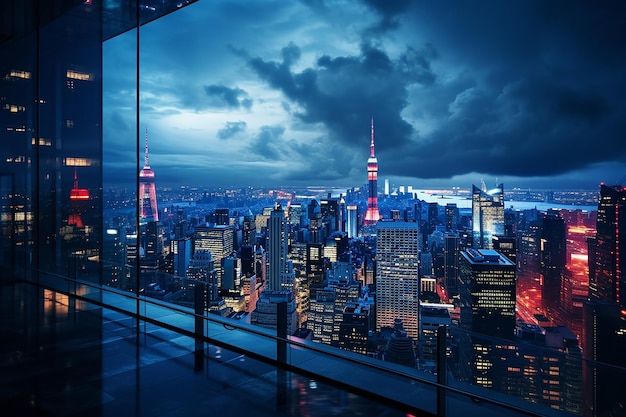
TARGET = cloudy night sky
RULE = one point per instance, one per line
(235, 93)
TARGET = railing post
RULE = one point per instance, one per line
(442, 370)
(281, 333)
(199, 326)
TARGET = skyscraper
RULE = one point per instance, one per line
(397, 275)
(280, 273)
(487, 215)
(147, 191)
(487, 293)
(607, 269)
(553, 258)
(372, 215)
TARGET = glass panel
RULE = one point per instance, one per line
(69, 145)
(18, 113)
(120, 162)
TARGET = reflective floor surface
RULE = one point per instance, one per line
(59, 357)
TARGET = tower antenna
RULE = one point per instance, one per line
(146, 157)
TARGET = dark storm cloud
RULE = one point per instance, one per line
(388, 11)
(231, 129)
(267, 144)
(344, 92)
(523, 89)
(232, 98)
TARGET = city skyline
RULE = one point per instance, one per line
(237, 93)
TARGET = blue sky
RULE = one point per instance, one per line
(234, 93)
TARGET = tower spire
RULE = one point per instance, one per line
(146, 157)
(372, 141)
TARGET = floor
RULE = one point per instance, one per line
(59, 357)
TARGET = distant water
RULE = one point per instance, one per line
(465, 202)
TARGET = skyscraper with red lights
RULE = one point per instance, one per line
(77, 197)
(147, 192)
(372, 215)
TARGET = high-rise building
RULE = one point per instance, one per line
(371, 215)
(451, 264)
(181, 249)
(397, 275)
(487, 215)
(147, 191)
(452, 217)
(487, 293)
(217, 239)
(352, 223)
(607, 259)
(280, 271)
(553, 257)
(354, 328)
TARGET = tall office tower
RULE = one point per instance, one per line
(248, 229)
(329, 208)
(217, 239)
(386, 187)
(552, 258)
(315, 267)
(607, 274)
(354, 328)
(221, 217)
(487, 293)
(431, 317)
(280, 270)
(147, 191)
(342, 214)
(397, 275)
(506, 245)
(152, 243)
(604, 344)
(487, 215)
(452, 217)
(352, 221)
(297, 255)
(247, 260)
(294, 215)
(451, 265)
(181, 248)
(314, 213)
(346, 292)
(529, 260)
(231, 273)
(371, 215)
(202, 269)
(321, 315)
(433, 216)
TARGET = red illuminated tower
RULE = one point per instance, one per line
(76, 196)
(372, 216)
(147, 192)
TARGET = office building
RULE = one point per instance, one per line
(553, 258)
(487, 293)
(352, 222)
(607, 266)
(218, 240)
(397, 275)
(487, 215)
